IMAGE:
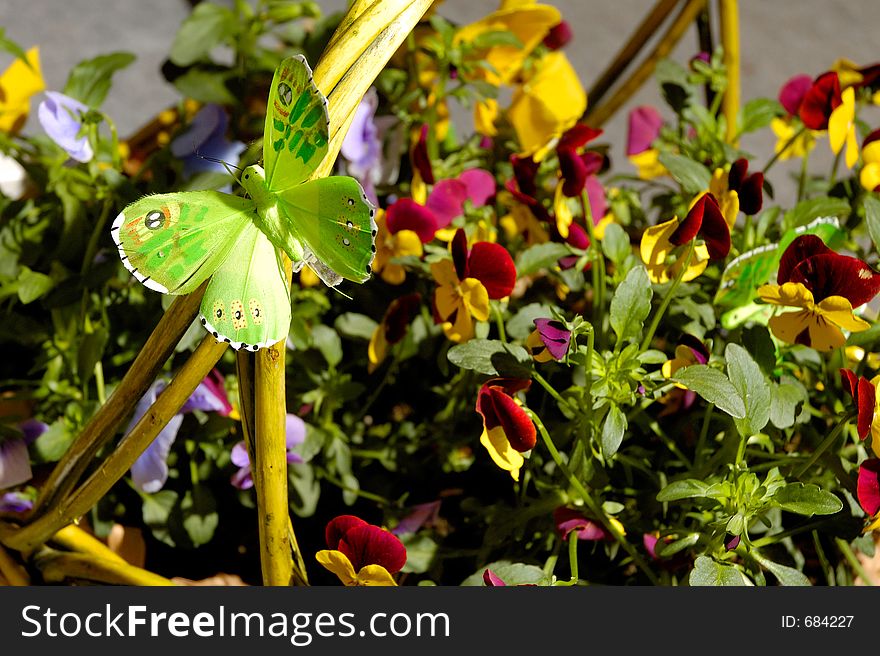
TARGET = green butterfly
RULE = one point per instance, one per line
(172, 243)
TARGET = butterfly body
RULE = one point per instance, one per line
(173, 242)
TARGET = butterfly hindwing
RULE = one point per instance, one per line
(174, 242)
(247, 302)
(334, 220)
(297, 126)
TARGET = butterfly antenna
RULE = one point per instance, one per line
(341, 293)
(225, 164)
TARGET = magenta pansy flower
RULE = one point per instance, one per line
(644, 127)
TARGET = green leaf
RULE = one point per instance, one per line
(354, 325)
(807, 499)
(32, 285)
(522, 323)
(713, 386)
(304, 490)
(708, 572)
(90, 352)
(751, 386)
(511, 573)
(872, 219)
(420, 551)
(807, 210)
(783, 403)
(492, 357)
(785, 575)
(689, 488)
(208, 26)
(205, 86)
(53, 444)
(758, 113)
(327, 341)
(90, 80)
(631, 304)
(200, 516)
(613, 430)
(692, 176)
(667, 549)
(540, 256)
(10, 46)
(615, 243)
(156, 510)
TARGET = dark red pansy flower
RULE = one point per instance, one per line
(864, 396)
(555, 335)
(872, 137)
(576, 167)
(822, 98)
(406, 214)
(488, 262)
(809, 261)
(792, 93)
(420, 158)
(398, 315)
(705, 219)
(365, 544)
(869, 486)
(524, 186)
(577, 136)
(496, 405)
(577, 237)
(569, 520)
(749, 188)
(558, 36)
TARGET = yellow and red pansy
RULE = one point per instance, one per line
(400, 232)
(392, 328)
(819, 101)
(825, 286)
(361, 554)
(508, 431)
(869, 176)
(689, 351)
(467, 282)
(842, 127)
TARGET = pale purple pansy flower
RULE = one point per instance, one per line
(296, 434)
(792, 93)
(420, 515)
(555, 336)
(364, 144)
(150, 470)
(15, 502)
(61, 118)
(205, 141)
(447, 198)
(644, 126)
(15, 462)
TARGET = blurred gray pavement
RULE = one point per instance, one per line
(778, 39)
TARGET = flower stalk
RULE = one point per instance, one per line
(57, 566)
(729, 15)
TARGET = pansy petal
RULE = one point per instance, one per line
(869, 486)
(799, 250)
(597, 198)
(573, 170)
(820, 100)
(751, 194)
(866, 399)
(792, 92)
(644, 127)
(420, 159)
(150, 471)
(338, 527)
(480, 185)
(375, 575)
(516, 424)
(792, 327)
(839, 311)
(15, 464)
(792, 294)
(446, 201)
(295, 430)
(460, 327)
(239, 455)
(737, 173)
(444, 274)
(458, 248)
(367, 544)
(492, 580)
(493, 266)
(399, 314)
(501, 452)
(475, 298)
(555, 335)
(850, 382)
(577, 136)
(823, 335)
(832, 274)
(406, 214)
(338, 563)
(840, 120)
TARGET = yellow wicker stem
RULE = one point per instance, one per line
(57, 566)
(730, 42)
(120, 461)
(74, 538)
(11, 570)
(630, 49)
(599, 114)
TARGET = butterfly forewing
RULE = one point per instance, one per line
(296, 131)
(174, 242)
(247, 302)
(334, 219)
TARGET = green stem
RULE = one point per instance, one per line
(802, 178)
(670, 294)
(92, 246)
(782, 535)
(499, 321)
(590, 502)
(704, 434)
(827, 442)
(851, 558)
(787, 145)
(598, 269)
(832, 178)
